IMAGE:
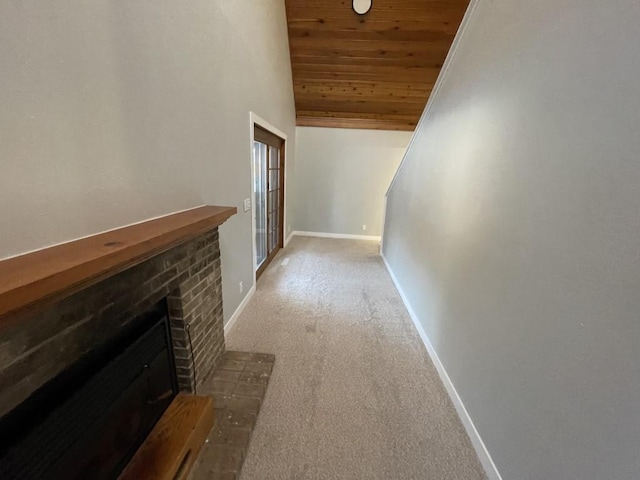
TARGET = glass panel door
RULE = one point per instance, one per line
(260, 200)
(273, 199)
(268, 189)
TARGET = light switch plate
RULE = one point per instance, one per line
(247, 204)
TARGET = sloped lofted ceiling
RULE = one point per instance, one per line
(371, 71)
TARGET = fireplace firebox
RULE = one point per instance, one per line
(89, 421)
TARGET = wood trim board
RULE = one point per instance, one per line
(172, 447)
(53, 273)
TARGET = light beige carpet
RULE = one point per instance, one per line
(353, 394)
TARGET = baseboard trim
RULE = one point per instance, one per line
(474, 436)
(336, 235)
(229, 325)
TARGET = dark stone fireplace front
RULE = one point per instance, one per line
(40, 348)
(90, 420)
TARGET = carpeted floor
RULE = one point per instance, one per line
(353, 393)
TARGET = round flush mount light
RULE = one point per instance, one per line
(362, 6)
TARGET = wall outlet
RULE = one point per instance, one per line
(247, 204)
(241, 287)
(364, 227)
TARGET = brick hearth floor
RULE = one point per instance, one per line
(238, 387)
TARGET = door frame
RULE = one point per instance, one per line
(254, 120)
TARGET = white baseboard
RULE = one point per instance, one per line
(479, 446)
(229, 325)
(337, 235)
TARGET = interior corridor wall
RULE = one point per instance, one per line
(342, 176)
(513, 229)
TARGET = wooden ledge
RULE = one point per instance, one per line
(56, 272)
(172, 447)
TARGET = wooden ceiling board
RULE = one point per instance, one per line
(357, 116)
(363, 123)
(360, 106)
(371, 71)
(364, 89)
(358, 73)
(388, 33)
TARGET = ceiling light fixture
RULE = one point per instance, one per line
(362, 7)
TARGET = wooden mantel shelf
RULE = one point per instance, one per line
(56, 272)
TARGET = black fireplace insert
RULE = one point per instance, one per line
(88, 422)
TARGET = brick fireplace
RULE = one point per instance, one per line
(37, 348)
(40, 343)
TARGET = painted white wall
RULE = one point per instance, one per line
(342, 176)
(513, 229)
(114, 112)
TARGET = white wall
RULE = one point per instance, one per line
(342, 176)
(513, 229)
(113, 112)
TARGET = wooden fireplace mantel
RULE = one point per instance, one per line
(56, 272)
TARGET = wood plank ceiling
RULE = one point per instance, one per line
(371, 71)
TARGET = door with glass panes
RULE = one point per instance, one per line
(268, 191)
